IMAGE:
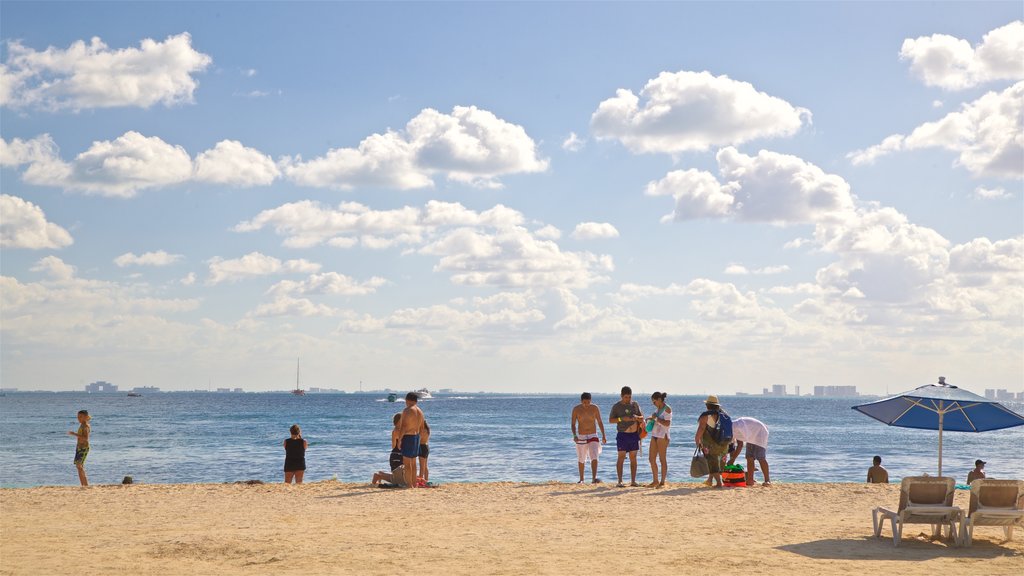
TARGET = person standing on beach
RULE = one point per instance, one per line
(712, 439)
(586, 417)
(411, 425)
(395, 459)
(82, 444)
(978, 472)
(754, 434)
(424, 452)
(295, 456)
(627, 417)
(877, 474)
(662, 419)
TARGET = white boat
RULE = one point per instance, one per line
(424, 394)
(298, 391)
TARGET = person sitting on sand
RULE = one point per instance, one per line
(396, 477)
(424, 451)
(714, 448)
(295, 456)
(585, 419)
(411, 425)
(662, 419)
(82, 444)
(978, 472)
(754, 434)
(395, 459)
(627, 417)
(877, 474)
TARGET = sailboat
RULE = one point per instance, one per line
(298, 391)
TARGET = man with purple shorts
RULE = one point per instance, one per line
(628, 418)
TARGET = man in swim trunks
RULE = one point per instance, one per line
(628, 418)
(411, 425)
(584, 433)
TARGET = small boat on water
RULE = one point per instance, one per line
(298, 391)
(392, 397)
(424, 394)
(134, 394)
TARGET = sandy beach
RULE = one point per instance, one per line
(494, 528)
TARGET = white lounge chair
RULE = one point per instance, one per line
(923, 500)
(994, 503)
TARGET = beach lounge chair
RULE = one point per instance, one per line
(994, 503)
(923, 500)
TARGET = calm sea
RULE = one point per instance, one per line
(211, 437)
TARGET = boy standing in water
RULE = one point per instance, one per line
(82, 445)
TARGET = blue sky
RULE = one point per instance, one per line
(512, 197)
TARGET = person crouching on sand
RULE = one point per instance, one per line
(295, 456)
(82, 444)
(877, 474)
(662, 419)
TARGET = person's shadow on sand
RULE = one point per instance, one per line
(911, 549)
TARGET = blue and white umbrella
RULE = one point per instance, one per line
(942, 407)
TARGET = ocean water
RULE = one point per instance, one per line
(211, 437)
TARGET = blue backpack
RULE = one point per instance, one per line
(722, 432)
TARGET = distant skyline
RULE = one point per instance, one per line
(512, 197)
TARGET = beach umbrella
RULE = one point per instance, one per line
(942, 407)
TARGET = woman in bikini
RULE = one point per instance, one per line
(662, 419)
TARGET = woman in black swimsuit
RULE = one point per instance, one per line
(294, 456)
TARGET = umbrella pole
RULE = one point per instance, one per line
(940, 443)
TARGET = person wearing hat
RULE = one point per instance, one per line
(713, 445)
(978, 472)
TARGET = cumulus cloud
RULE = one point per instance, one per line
(55, 268)
(255, 264)
(685, 111)
(469, 145)
(504, 311)
(24, 225)
(229, 162)
(986, 133)
(548, 232)
(94, 76)
(158, 258)
(953, 64)
(573, 143)
(132, 162)
(769, 187)
(594, 230)
(741, 270)
(983, 193)
(328, 283)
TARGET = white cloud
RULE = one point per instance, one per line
(42, 148)
(284, 305)
(573, 143)
(158, 258)
(769, 187)
(229, 162)
(594, 230)
(255, 264)
(982, 256)
(548, 232)
(117, 168)
(469, 145)
(55, 268)
(937, 104)
(189, 279)
(328, 283)
(694, 111)
(94, 76)
(952, 64)
(983, 193)
(985, 133)
(24, 225)
(741, 270)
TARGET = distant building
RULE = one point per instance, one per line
(990, 393)
(223, 390)
(145, 389)
(779, 390)
(797, 390)
(835, 391)
(238, 390)
(764, 391)
(2, 390)
(100, 386)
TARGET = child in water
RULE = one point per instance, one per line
(82, 445)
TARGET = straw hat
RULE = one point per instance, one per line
(712, 400)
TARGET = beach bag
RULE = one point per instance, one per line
(699, 464)
(734, 477)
